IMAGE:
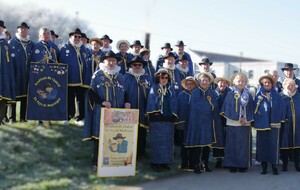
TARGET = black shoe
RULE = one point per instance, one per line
(274, 169)
(242, 170)
(219, 164)
(207, 168)
(197, 170)
(233, 169)
(156, 168)
(297, 167)
(165, 167)
(264, 168)
(284, 167)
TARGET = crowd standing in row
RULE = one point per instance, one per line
(196, 112)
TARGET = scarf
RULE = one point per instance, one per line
(106, 49)
(178, 66)
(244, 95)
(130, 71)
(114, 71)
(289, 94)
(22, 39)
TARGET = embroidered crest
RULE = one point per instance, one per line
(37, 51)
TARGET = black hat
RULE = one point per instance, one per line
(205, 61)
(110, 54)
(136, 59)
(23, 24)
(180, 43)
(53, 34)
(77, 31)
(119, 136)
(2, 24)
(170, 54)
(167, 45)
(136, 42)
(288, 66)
(183, 57)
(106, 37)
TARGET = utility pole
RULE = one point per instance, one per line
(241, 57)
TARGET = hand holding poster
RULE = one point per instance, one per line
(117, 142)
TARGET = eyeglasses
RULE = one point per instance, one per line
(77, 37)
(164, 78)
(137, 65)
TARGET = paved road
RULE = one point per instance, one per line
(224, 180)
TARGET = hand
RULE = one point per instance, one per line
(243, 121)
(127, 105)
(106, 104)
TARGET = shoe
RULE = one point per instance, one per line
(233, 169)
(274, 169)
(207, 168)
(219, 164)
(264, 168)
(156, 168)
(242, 170)
(79, 123)
(40, 123)
(66, 123)
(297, 167)
(257, 163)
(197, 170)
(12, 121)
(284, 166)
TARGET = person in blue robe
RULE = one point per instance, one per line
(183, 104)
(268, 116)
(200, 135)
(180, 52)
(183, 71)
(74, 54)
(149, 69)
(288, 72)
(290, 131)
(162, 113)
(205, 65)
(137, 85)
(125, 57)
(106, 90)
(21, 47)
(221, 91)
(238, 111)
(7, 92)
(166, 49)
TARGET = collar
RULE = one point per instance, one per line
(130, 71)
(22, 39)
(114, 71)
(169, 67)
(289, 94)
(2, 36)
(178, 66)
(106, 49)
(76, 45)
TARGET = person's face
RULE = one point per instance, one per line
(23, 31)
(180, 49)
(290, 87)
(76, 38)
(240, 82)
(1, 30)
(189, 85)
(110, 63)
(170, 61)
(266, 83)
(136, 48)
(84, 40)
(146, 56)
(137, 67)
(53, 38)
(289, 73)
(204, 82)
(205, 67)
(183, 63)
(275, 75)
(124, 48)
(222, 85)
(46, 36)
(106, 43)
(163, 80)
(166, 51)
(95, 46)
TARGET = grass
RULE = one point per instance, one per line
(39, 158)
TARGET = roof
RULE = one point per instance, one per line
(217, 57)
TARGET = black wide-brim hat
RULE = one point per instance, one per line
(77, 31)
(119, 136)
(53, 33)
(288, 66)
(2, 24)
(23, 24)
(110, 54)
(167, 45)
(205, 61)
(136, 42)
(180, 43)
(106, 37)
(136, 59)
(170, 54)
(183, 57)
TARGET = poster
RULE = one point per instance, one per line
(117, 142)
(47, 91)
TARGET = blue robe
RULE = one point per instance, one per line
(108, 88)
(238, 145)
(202, 119)
(45, 52)
(137, 89)
(7, 83)
(161, 132)
(159, 63)
(190, 64)
(20, 57)
(76, 65)
(183, 105)
(291, 127)
(179, 76)
(175, 80)
(150, 71)
(267, 114)
(91, 67)
(123, 61)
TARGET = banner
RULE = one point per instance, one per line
(47, 91)
(117, 142)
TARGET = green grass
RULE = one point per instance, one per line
(40, 158)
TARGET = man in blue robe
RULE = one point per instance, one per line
(166, 49)
(180, 52)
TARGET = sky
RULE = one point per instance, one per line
(267, 29)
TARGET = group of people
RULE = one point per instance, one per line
(201, 113)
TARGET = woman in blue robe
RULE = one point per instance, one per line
(268, 116)
(183, 105)
(290, 143)
(162, 113)
(149, 69)
(137, 85)
(238, 111)
(201, 133)
(125, 57)
(106, 90)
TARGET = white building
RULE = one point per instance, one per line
(227, 65)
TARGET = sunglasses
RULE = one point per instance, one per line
(164, 78)
(137, 65)
(77, 37)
